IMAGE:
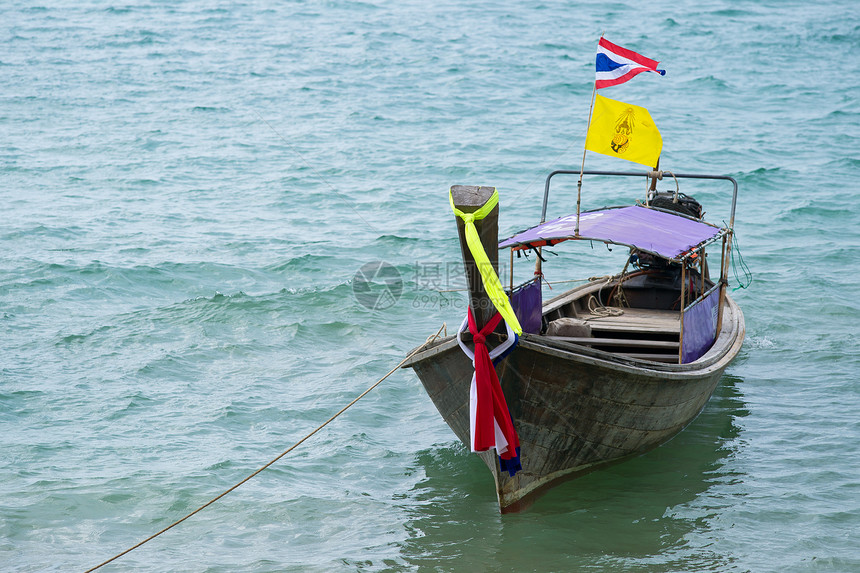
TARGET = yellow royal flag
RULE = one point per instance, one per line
(623, 130)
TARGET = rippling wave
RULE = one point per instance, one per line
(190, 192)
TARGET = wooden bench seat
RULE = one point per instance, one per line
(627, 342)
(637, 320)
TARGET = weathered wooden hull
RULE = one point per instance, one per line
(576, 408)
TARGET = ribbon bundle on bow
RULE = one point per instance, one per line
(490, 421)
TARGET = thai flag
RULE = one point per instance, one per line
(615, 65)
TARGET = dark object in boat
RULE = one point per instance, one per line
(678, 202)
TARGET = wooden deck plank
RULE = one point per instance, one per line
(631, 342)
(669, 358)
(638, 320)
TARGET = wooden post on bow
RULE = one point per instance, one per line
(470, 198)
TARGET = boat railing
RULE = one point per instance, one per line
(701, 319)
(651, 175)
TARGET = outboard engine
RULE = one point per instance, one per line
(685, 204)
(660, 272)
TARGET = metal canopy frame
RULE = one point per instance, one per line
(726, 234)
(650, 175)
(681, 256)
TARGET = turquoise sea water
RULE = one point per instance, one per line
(189, 189)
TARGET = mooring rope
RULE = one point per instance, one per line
(282, 454)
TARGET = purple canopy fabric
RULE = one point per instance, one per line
(646, 229)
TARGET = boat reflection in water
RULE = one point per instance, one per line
(631, 516)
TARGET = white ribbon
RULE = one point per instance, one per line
(501, 442)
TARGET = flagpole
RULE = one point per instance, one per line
(582, 166)
(653, 187)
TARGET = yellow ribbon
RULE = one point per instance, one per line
(488, 275)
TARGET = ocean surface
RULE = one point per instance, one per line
(196, 194)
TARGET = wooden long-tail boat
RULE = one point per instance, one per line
(609, 369)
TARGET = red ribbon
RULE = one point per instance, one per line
(491, 404)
